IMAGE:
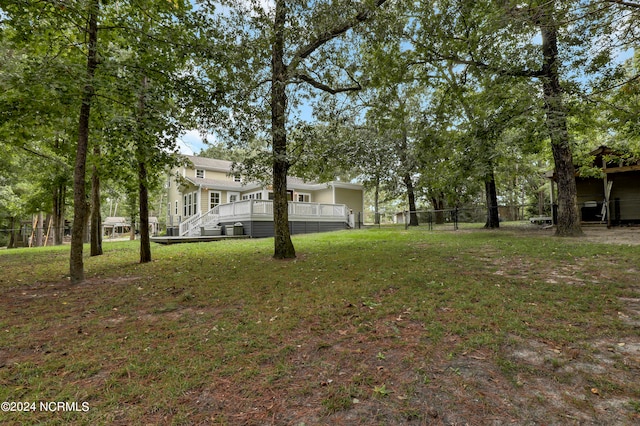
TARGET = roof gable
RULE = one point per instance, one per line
(225, 166)
(210, 163)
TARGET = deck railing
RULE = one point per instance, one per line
(190, 225)
(261, 210)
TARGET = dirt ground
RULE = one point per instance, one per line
(615, 235)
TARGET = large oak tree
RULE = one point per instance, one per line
(288, 53)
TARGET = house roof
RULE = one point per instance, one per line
(210, 163)
(617, 166)
(229, 185)
(115, 220)
(613, 165)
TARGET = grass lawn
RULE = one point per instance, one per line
(378, 326)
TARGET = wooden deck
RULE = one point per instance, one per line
(196, 239)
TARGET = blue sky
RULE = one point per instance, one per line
(191, 142)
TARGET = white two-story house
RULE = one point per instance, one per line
(207, 194)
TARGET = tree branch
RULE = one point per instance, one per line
(615, 86)
(500, 71)
(325, 88)
(341, 28)
(624, 3)
(45, 156)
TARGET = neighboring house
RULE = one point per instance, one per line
(115, 226)
(207, 194)
(614, 196)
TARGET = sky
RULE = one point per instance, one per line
(191, 142)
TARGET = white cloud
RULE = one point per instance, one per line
(191, 142)
(183, 147)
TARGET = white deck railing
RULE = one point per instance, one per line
(262, 210)
(189, 225)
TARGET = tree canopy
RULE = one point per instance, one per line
(429, 102)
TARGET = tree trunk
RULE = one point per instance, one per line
(438, 206)
(96, 219)
(568, 213)
(58, 213)
(143, 190)
(283, 245)
(39, 231)
(493, 218)
(133, 200)
(406, 178)
(12, 232)
(87, 225)
(376, 201)
(413, 214)
(145, 242)
(76, 264)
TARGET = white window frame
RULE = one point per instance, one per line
(211, 194)
(231, 194)
(195, 202)
(253, 196)
(200, 171)
(303, 195)
(190, 204)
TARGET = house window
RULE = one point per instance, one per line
(237, 178)
(252, 196)
(200, 173)
(232, 197)
(190, 205)
(214, 199)
(176, 207)
(195, 202)
(303, 198)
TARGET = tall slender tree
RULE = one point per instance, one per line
(76, 263)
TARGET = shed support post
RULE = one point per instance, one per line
(607, 192)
